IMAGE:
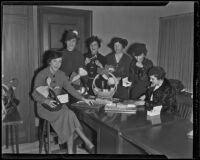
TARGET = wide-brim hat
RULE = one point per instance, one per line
(137, 49)
(122, 41)
(70, 34)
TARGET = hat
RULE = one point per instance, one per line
(122, 41)
(70, 34)
(137, 49)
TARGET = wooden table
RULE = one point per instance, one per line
(113, 131)
(167, 139)
(11, 121)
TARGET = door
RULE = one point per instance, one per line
(54, 21)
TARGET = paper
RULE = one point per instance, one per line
(156, 111)
(82, 72)
(125, 82)
(63, 98)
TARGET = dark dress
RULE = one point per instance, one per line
(165, 95)
(71, 62)
(139, 78)
(92, 68)
(121, 70)
(64, 121)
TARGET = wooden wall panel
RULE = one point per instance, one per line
(17, 63)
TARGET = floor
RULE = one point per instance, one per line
(33, 148)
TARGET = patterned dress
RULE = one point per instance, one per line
(64, 121)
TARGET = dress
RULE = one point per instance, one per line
(64, 121)
(122, 71)
(92, 68)
(139, 78)
(72, 60)
(165, 95)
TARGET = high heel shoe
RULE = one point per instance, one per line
(90, 148)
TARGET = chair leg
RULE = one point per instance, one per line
(11, 140)
(48, 137)
(16, 139)
(7, 136)
(41, 135)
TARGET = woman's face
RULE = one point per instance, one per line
(55, 64)
(154, 81)
(71, 44)
(140, 58)
(118, 47)
(94, 47)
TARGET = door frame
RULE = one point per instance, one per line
(86, 14)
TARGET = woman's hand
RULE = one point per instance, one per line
(139, 64)
(87, 60)
(98, 64)
(50, 102)
(88, 101)
(139, 102)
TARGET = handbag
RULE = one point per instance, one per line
(53, 96)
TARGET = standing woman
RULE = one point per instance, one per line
(120, 61)
(63, 120)
(73, 59)
(139, 68)
(93, 60)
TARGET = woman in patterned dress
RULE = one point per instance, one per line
(63, 121)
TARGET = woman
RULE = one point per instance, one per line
(63, 121)
(160, 92)
(93, 60)
(73, 60)
(120, 63)
(139, 68)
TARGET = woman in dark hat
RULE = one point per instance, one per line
(160, 92)
(139, 68)
(93, 60)
(120, 63)
(62, 119)
(73, 59)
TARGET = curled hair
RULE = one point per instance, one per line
(49, 55)
(93, 39)
(137, 49)
(157, 71)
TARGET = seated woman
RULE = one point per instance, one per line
(63, 121)
(139, 68)
(93, 60)
(160, 92)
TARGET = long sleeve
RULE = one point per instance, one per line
(70, 89)
(38, 82)
(164, 96)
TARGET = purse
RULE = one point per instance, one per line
(53, 96)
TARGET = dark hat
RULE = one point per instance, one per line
(70, 34)
(137, 49)
(122, 41)
(157, 71)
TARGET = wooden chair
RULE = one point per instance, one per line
(46, 133)
(44, 136)
(184, 105)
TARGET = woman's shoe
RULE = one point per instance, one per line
(90, 148)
